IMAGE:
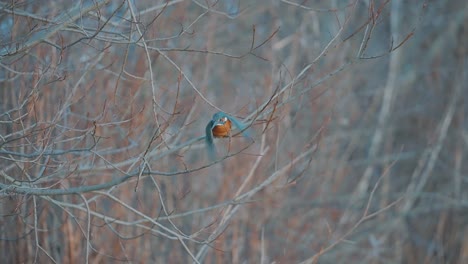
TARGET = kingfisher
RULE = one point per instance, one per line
(220, 126)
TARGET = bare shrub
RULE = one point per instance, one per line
(355, 111)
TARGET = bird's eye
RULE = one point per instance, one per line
(223, 119)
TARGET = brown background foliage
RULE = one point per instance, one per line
(357, 113)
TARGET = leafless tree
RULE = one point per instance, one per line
(355, 111)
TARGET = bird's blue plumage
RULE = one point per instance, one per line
(219, 119)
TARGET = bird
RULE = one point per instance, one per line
(220, 126)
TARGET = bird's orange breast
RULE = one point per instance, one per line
(222, 130)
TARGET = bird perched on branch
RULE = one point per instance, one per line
(220, 126)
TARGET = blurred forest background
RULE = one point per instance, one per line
(356, 109)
